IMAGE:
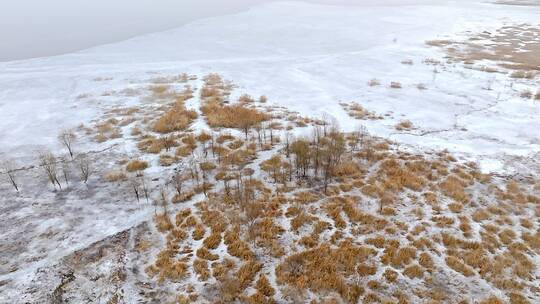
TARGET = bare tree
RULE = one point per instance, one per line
(300, 148)
(135, 185)
(258, 129)
(203, 138)
(144, 187)
(65, 172)
(356, 138)
(248, 118)
(224, 176)
(84, 167)
(362, 135)
(272, 166)
(163, 199)
(288, 139)
(178, 179)
(332, 153)
(48, 162)
(8, 169)
(168, 142)
(67, 138)
(206, 167)
(194, 170)
(253, 210)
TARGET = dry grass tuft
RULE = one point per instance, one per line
(365, 270)
(264, 287)
(324, 268)
(458, 266)
(438, 42)
(407, 62)
(163, 222)
(235, 116)
(136, 165)
(247, 272)
(426, 261)
(175, 119)
(201, 268)
(115, 176)
(212, 241)
(356, 111)
(205, 254)
(414, 271)
(404, 125)
(492, 300)
(523, 74)
(454, 187)
(390, 275)
(527, 94)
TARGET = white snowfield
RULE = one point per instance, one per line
(307, 57)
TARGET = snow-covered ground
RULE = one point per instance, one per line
(307, 57)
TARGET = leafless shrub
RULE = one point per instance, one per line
(245, 98)
(421, 86)
(523, 74)
(178, 179)
(431, 61)
(527, 94)
(85, 169)
(407, 62)
(396, 85)
(487, 69)
(374, 82)
(144, 187)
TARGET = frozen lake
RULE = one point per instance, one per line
(34, 28)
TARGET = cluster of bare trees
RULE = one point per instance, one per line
(315, 157)
(140, 187)
(57, 169)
